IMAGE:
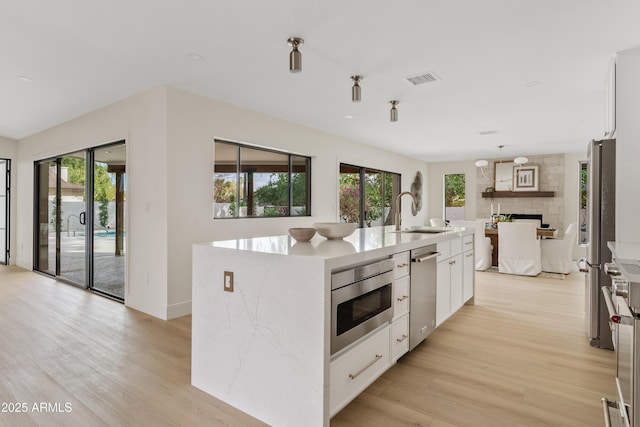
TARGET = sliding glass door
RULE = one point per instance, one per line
(80, 218)
(109, 177)
(5, 174)
(72, 212)
(46, 213)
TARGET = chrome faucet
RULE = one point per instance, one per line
(398, 219)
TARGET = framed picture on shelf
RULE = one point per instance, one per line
(525, 178)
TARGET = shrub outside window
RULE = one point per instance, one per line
(454, 197)
(256, 182)
(366, 195)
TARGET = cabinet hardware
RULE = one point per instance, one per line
(426, 258)
(404, 264)
(357, 374)
(451, 262)
(468, 243)
(468, 255)
(403, 297)
(404, 337)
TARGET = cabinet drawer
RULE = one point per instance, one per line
(399, 337)
(467, 242)
(456, 246)
(401, 296)
(445, 250)
(356, 369)
(401, 263)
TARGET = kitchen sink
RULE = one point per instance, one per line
(423, 230)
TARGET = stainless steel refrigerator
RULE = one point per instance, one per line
(601, 210)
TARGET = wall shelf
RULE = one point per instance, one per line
(500, 194)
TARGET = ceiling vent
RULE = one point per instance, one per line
(488, 132)
(427, 77)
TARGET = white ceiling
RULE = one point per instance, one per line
(84, 54)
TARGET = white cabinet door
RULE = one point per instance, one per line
(468, 275)
(455, 281)
(443, 292)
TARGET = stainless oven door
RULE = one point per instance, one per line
(359, 308)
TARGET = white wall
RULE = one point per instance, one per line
(141, 121)
(627, 145)
(194, 121)
(9, 150)
(169, 137)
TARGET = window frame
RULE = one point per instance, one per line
(290, 173)
(583, 209)
(362, 173)
(444, 193)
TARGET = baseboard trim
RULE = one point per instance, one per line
(148, 307)
(178, 310)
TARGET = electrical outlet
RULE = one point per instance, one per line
(228, 281)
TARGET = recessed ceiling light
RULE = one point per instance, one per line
(349, 117)
(488, 132)
(533, 83)
(195, 57)
(24, 79)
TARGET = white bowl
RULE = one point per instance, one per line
(335, 230)
(302, 234)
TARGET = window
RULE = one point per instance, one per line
(582, 208)
(367, 195)
(256, 182)
(454, 197)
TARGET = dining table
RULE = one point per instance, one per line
(492, 233)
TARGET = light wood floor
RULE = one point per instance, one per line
(518, 357)
(114, 365)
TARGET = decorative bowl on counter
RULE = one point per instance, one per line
(335, 230)
(302, 234)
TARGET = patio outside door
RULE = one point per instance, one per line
(108, 261)
(4, 210)
(60, 245)
(72, 212)
(79, 226)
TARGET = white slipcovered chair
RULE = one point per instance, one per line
(483, 248)
(535, 221)
(557, 253)
(518, 249)
(438, 222)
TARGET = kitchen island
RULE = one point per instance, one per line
(262, 317)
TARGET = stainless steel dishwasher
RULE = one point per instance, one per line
(422, 315)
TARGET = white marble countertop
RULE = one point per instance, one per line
(380, 240)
